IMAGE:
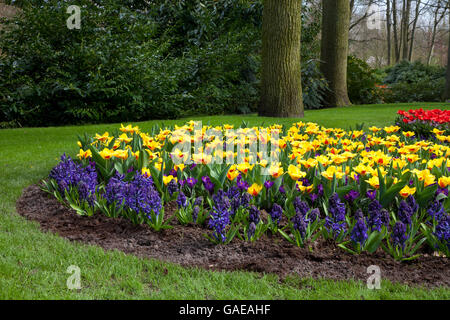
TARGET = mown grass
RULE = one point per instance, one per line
(33, 264)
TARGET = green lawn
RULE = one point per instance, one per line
(33, 264)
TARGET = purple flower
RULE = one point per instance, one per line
(375, 219)
(254, 215)
(198, 201)
(209, 186)
(399, 235)
(371, 194)
(68, 174)
(351, 196)
(436, 210)
(281, 189)
(320, 190)
(300, 224)
(268, 184)
(182, 200)
(195, 213)
(405, 212)
(276, 213)
(300, 206)
(314, 214)
(241, 184)
(359, 232)
(251, 230)
(313, 197)
(172, 187)
(336, 221)
(443, 230)
(191, 182)
(412, 203)
(173, 173)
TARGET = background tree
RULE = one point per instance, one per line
(281, 91)
(447, 84)
(334, 50)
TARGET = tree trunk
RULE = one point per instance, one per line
(388, 28)
(334, 50)
(413, 30)
(405, 28)
(394, 19)
(437, 20)
(281, 91)
(447, 85)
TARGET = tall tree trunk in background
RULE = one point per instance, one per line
(388, 28)
(394, 19)
(281, 91)
(334, 50)
(447, 84)
(413, 30)
(437, 19)
(405, 28)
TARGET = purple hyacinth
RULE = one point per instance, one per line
(336, 221)
(207, 183)
(220, 216)
(411, 201)
(198, 201)
(195, 213)
(172, 187)
(313, 197)
(359, 232)
(320, 190)
(276, 213)
(375, 218)
(300, 206)
(436, 210)
(221, 201)
(251, 230)
(182, 200)
(399, 235)
(314, 214)
(443, 230)
(69, 174)
(254, 215)
(138, 194)
(300, 224)
(405, 212)
(281, 190)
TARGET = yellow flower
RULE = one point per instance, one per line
(124, 138)
(276, 171)
(146, 172)
(332, 171)
(374, 182)
(129, 128)
(254, 189)
(84, 154)
(407, 191)
(295, 173)
(121, 154)
(167, 179)
(103, 137)
(444, 182)
(302, 188)
(232, 173)
(106, 153)
(408, 134)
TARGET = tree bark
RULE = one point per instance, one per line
(405, 28)
(447, 84)
(413, 30)
(334, 50)
(281, 91)
(437, 19)
(388, 29)
(394, 19)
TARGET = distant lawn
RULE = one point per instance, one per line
(33, 264)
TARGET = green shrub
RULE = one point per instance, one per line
(409, 82)
(361, 82)
(314, 85)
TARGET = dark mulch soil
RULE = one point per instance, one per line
(187, 246)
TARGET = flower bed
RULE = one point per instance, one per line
(364, 191)
(425, 123)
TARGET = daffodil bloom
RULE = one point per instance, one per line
(407, 191)
(255, 189)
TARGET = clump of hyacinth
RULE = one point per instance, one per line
(69, 174)
(300, 206)
(436, 210)
(399, 235)
(254, 215)
(300, 224)
(359, 231)
(220, 216)
(172, 187)
(375, 219)
(443, 230)
(182, 200)
(335, 222)
(139, 194)
(405, 212)
(276, 213)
